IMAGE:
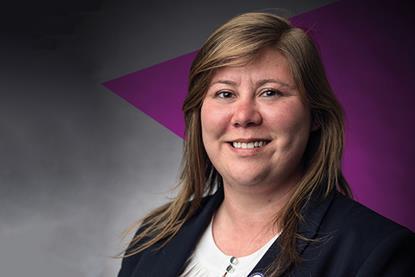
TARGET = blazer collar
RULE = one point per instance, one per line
(171, 259)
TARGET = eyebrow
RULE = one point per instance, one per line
(258, 83)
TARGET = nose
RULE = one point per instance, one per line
(246, 114)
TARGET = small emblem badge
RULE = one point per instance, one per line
(257, 274)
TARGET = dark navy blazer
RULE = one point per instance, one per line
(352, 241)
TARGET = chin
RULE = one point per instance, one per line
(247, 178)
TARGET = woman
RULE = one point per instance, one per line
(262, 192)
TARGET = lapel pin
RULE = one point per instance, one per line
(257, 274)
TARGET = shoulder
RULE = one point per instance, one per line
(367, 241)
(352, 217)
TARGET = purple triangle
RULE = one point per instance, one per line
(158, 91)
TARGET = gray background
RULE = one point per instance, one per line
(77, 163)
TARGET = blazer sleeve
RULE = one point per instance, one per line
(129, 264)
(393, 256)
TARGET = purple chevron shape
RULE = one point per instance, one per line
(368, 53)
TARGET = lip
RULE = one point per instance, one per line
(246, 140)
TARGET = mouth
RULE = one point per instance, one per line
(249, 144)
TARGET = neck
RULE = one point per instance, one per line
(249, 208)
(244, 222)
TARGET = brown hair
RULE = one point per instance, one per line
(238, 42)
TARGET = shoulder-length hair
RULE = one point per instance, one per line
(236, 43)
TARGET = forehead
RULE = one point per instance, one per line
(269, 64)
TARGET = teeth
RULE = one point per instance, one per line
(249, 145)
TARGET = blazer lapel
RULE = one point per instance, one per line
(313, 214)
(169, 260)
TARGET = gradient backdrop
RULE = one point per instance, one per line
(78, 163)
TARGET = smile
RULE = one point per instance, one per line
(249, 145)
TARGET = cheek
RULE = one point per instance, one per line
(214, 120)
(291, 123)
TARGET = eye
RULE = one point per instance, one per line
(271, 92)
(224, 94)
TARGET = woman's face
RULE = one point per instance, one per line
(254, 125)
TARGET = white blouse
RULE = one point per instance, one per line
(208, 260)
